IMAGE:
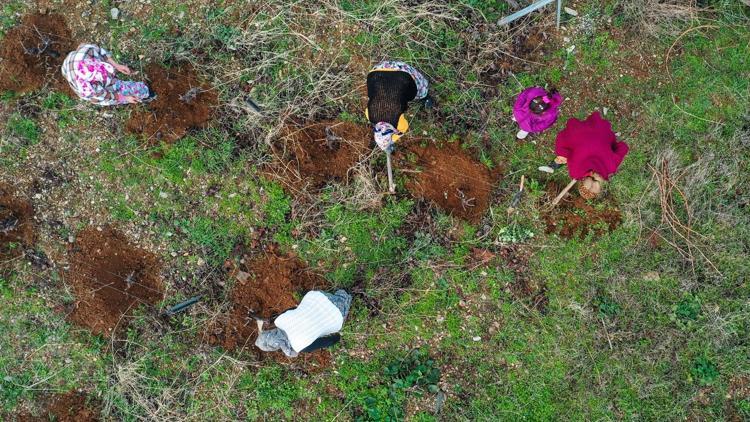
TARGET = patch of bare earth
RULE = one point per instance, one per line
(32, 52)
(450, 178)
(183, 102)
(576, 217)
(68, 407)
(110, 279)
(314, 154)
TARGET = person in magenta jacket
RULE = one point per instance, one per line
(536, 110)
(591, 151)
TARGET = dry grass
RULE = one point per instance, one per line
(658, 17)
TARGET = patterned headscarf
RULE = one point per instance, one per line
(384, 132)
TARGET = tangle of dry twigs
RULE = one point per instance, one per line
(677, 231)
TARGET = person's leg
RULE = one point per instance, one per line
(132, 89)
(341, 299)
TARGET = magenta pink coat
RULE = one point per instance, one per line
(590, 145)
(530, 121)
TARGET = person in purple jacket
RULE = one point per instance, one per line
(535, 110)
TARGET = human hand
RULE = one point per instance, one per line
(123, 69)
(128, 99)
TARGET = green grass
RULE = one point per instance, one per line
(631, 331)
(24, 128)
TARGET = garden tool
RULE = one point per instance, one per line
(391, 186)
(564, 192)
(517, 197)
(182, 305)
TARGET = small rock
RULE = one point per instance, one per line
(115, 13)
(566, 39)
(570, 11)
(86, 14)
(570, 49)
(163, 195)
(605, 110)
(651, 276)
(476, 338)
(71, 239)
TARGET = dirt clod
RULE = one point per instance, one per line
(320, 152)
(32, 52)
(16, 224)
(574, 216)
(183, 102)
(451, 179)
(68, 407)
(110, 279)
(266, 286)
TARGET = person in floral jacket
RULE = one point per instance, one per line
(92, 74)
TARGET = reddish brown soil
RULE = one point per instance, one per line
(739, 390)
(524, 287)
(69, 407)
(16, 220)
(266, 286)
(110, 280)
(451, 179)
(168, 118)
(574, 216)
(306, 156)
(22, 72)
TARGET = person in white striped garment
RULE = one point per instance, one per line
(314, 324)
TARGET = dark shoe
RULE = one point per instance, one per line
(428, 102)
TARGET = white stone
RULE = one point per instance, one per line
(570, 11)
(114, 12)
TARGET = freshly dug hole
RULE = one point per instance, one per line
(22, 67)
(110, 279)
(574, 216)
(183, 102)
(450, 178)
(318, 153)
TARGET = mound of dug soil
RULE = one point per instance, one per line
(266, 286)
(16, 224)
(322, 151)
(110, 280)
(31, 53)
(574, 216)
(183, 102)
(451, 179)
(69, 407)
